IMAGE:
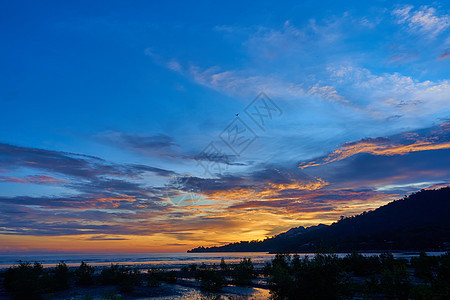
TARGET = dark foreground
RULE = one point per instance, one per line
(324, 276)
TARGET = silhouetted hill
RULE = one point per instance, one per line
(419, 221)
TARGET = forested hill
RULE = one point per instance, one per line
(419, 221)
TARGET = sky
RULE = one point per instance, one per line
(160, 126)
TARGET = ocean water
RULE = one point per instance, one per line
(160, 260)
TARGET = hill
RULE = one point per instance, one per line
(419, 221)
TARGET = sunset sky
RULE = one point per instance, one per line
(160, 126)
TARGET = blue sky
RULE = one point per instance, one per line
(114, 100)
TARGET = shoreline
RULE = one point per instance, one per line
(334, 274)
(154, 260)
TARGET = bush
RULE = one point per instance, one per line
(26, 281)
(441, 286)
(425, 267)
(61, 277)
(360, 265)
(243, 273)
(84, 274)
(156, 276)
(318, 278)
(281, 280)
(129, 279)
(394, 280)
(211, 280)
(223, 265)
(193, 267)
(124, 277)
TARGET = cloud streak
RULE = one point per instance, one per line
(424, 20)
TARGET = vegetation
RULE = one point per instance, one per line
(156, 276)
(323, 276)
(61, 277)
(211, 279)
(121, 276)
(317, 278)
(25, 281)
(326, 276)
(84, 274)
(243, 273)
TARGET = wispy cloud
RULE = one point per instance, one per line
(387, 94)
(444, 55)
(424, 20)
(161, 145)
(36, 179)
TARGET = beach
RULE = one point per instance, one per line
(175, 275)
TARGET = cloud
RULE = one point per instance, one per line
(69, 164)
(144, 144)
(238, 83)
(36, 179)
(424, 20)
(319, 203)
(398, 164)
(444, 55)
(263, 182)
(385, 95)
(83, 202)
(437, 139)
(104, 237)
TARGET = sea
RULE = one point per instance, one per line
(161, 260)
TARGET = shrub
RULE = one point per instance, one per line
(441, 286)
(61, 277)
(26, 281)
(281, 280)
(153, 277)
(193, 267)
(425, 267)
(124, 277)
(156, 276)
(129, 279)
(223, 265)
(211, 280)
(318, 278)
(360, 265)
(243, 273)
(394, 280)
(84, 274)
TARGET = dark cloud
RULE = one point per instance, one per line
(36, 179)
(143, 144)
(69, 164)
(259, 178)
(444, 55)
(104, 237)
(85, 202)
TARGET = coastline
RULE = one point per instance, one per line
(358, 274)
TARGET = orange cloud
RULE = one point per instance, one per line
(376, 147)
(268, 191)
(444, 55)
